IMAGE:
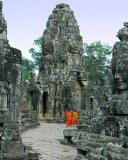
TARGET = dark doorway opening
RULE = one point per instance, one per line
(44, 102)
(91, 103)
(34, 99)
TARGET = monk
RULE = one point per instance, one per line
(68, 119)
(75, 117)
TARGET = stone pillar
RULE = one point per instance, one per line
(24, 94)
(11, 147)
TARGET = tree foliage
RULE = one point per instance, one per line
(97, 61)
(27, 67)
(36, 53)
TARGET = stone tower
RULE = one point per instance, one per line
(62, 76)
(120, 73)
(11, 147)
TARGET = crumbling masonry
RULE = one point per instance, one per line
(105, 135)
(62, 77)
(11, 147)
(102, 131)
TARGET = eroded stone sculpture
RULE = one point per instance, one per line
(62, 75)
(105, 136)
(112, 141)
(120, 73)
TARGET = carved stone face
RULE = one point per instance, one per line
(120, 61)
(3, 96)
(123, 34)
(120, 82)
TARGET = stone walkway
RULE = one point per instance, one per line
(45, 139)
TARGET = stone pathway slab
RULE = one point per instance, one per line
(45, 140)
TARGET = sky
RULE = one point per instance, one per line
(98, 20)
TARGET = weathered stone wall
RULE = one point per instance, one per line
(61, 73)
(10, 98)
(105, 136)
(29, 114)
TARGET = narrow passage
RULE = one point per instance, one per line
(45, 139)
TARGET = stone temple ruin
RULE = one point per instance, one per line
(11, 147)
(102, 131)
(105, 135)
(29, 109)
(29, 114)
(62, 78)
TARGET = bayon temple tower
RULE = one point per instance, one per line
(62, 78)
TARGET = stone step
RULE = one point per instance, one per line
(85, 127)
(107, 146)
(85, 121)
(83, 117)
(28, 119)
(51, 120)
(86, 113)
(26, 126)
(33, 155)
(25, 111)
(89, 156)
(93, 156)
(99, 137)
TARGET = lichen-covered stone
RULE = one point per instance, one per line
(11, 146)
(62, 74)
(29, 114)
(120, 73)
(105, 135)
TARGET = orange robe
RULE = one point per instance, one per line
(69, 119)
(75, 118)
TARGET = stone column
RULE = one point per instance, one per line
(11, 147)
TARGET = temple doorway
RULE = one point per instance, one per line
(34, 101)
(44, 103)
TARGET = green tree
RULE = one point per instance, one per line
(36, 52)
(27, 67)
(97, 61)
